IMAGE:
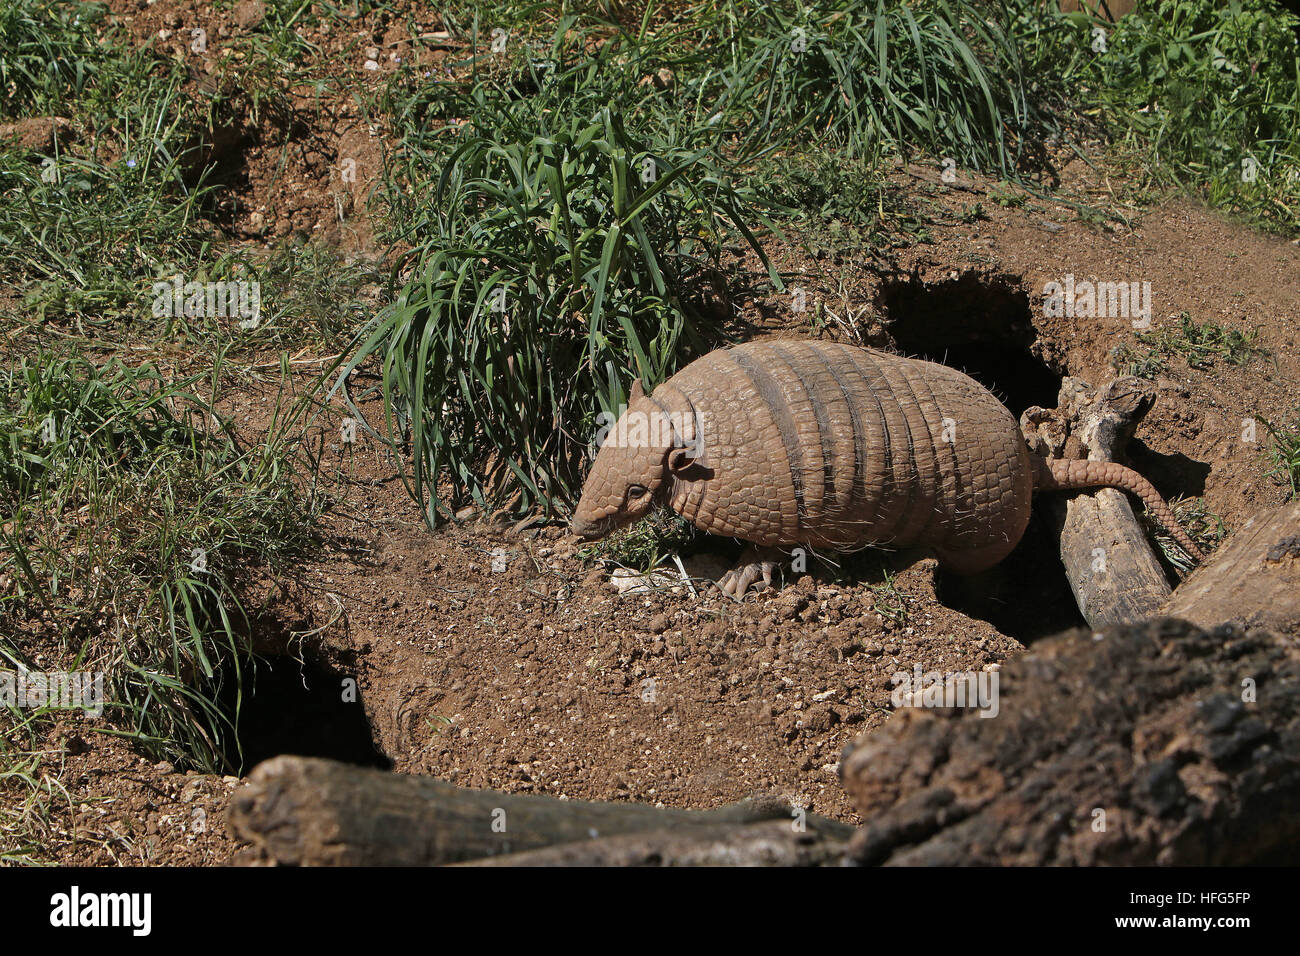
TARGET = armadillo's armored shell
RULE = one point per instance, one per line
(839, 447)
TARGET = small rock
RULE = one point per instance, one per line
(249, 14)
(627, 581)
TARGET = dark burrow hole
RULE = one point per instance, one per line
(982, 325)
(979, 324)
(284, 705)
(217, 158)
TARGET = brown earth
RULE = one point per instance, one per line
(493, 656)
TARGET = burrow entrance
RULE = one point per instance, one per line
(982, 325)
(290, 705)
(978, 324)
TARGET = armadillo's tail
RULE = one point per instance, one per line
(1060, 474)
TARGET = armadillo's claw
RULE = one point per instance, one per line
(737, 582)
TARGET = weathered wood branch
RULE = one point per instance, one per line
(312, 812)
(1253, 579)
(1151, 743)
(770, 843)
(1160, 742)
(1113, 570)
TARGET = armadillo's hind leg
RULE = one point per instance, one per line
(756, 564)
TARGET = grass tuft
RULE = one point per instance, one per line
(131, 518)
(645, 545)
(1203, 526)
(562, 252)
(1285, 453)
(1202, 344)
(1207, 95)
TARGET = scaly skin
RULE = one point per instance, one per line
(815, 444)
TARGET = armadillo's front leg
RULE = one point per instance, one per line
(755, 564)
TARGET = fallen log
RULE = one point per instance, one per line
(1113, 570)
(1153, 743)
(770, 843)
(1161, 742)
(311, 812)
(1253, 579)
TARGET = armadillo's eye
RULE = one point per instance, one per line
(636, 491)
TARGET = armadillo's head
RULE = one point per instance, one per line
(634, 470)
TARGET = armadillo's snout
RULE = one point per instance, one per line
(588, 530)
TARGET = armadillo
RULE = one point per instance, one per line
(808, 443)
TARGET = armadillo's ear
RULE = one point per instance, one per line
(685, 468)
(636, 392)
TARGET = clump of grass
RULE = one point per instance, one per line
(562, 252)
(52, 54)
(840, 205)
(521, 21)
(313, 295)
(130, 520)
(1006, 197)
(888, 601)
(1126, 360)
(1202, 344)
(1205, 343)
(308, 295)
(32, 799)
(645, 545)
(1204, 527)
(84, 228)
(940, 78)
(1207, 93)
(83, 246)
(1285, 453)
